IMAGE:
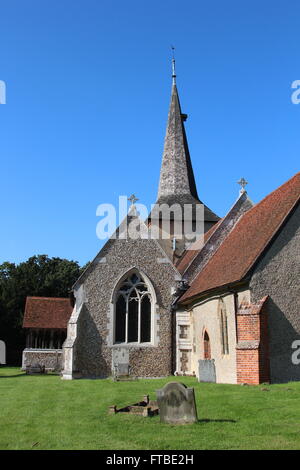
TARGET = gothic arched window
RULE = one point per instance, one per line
(133, 311)
(206, 344)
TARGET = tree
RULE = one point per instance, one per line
(38, 276)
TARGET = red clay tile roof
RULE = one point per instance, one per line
(247, 240)
(47, 312)
(190, 254)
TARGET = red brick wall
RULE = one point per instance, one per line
(248, 327)
(248, 366)
(252, 344)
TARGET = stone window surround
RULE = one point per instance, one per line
(184, 331)
(183, 319)
(133, 293)
(183, 342)
(154, 313)
(184, 360)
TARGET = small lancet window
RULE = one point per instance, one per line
(206, 340)
(224, 332)
(133, 308)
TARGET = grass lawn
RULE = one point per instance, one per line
(45, 412)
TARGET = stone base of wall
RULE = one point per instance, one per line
(50, 358)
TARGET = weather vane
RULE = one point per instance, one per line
(173, 66)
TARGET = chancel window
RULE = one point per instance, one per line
(133, 307)
(224, 332)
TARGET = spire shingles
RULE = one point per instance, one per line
(176, 177)
(177, 182)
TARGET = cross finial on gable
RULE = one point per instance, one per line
(242, 182)
(132, 199)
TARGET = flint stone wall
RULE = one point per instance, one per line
(50, 358)
(277, 275)
(94, 346)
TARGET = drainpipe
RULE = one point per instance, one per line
(182, 287)
(173, 340)
(236, 306)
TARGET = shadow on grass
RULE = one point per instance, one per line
(11, 376)
(27, 375)
(217, 421)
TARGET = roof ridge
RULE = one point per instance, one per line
(277, 228)
(275, 190)
(280, 223)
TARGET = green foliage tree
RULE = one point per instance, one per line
(38, 276)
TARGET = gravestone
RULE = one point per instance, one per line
(176, 404)
(2, 352)
(207, 370)
(122, 369)
(120, 362)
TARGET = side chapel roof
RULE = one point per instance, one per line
(47, 312)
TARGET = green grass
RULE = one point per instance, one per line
(45, 412)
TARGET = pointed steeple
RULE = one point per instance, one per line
(177, 181)
(176, 176)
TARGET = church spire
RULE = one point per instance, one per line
(177, 182)
(176, 176)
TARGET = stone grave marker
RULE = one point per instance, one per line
(176, 403)
(2, 352)
(207, 370)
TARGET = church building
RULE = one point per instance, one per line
(225, 310)
(155, 309)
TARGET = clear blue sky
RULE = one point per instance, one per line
(88, 89)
